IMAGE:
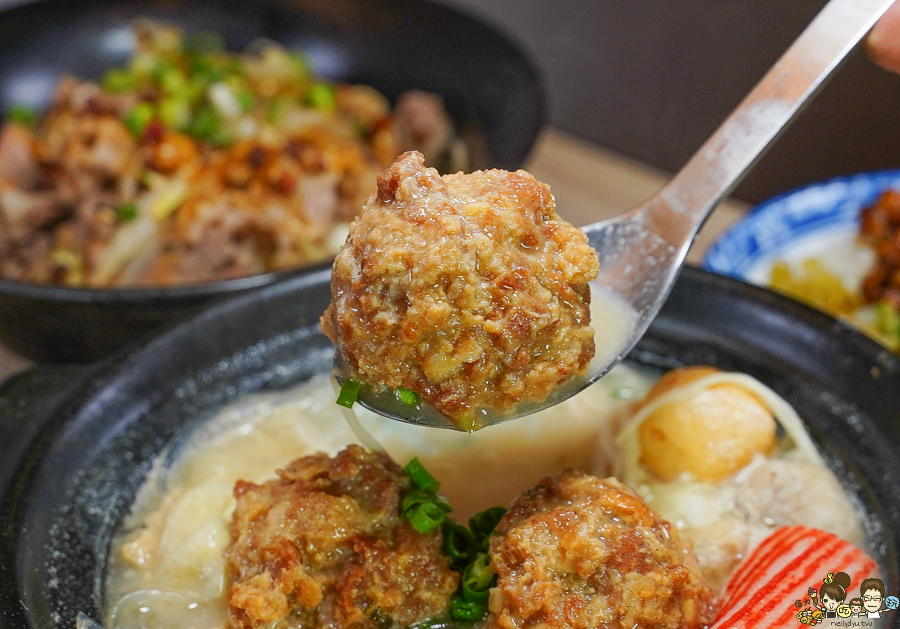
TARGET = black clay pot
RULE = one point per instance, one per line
(76, 443)
(490, 88)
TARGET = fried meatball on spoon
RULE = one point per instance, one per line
(462, 301)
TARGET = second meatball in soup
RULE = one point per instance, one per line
(578, 552)
(325, 545)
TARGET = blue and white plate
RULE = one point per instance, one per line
(818, 221)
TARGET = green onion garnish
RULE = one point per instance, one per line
(127, 212)
(173, 82)
(459, 544)
(141, 66)
(208, 126)
(195, 89)
(422, 506)
(221, 137)
(349, 392)
(421, 477)
(246, 100)
(484, 524)
(443, 504)
(466, 548)
(477, 579)
(22, 115)
(414, 498)
(322, 97)
(205, 69)
(175, 112)
(623, 393)
(138, 117)
(406, 396)
(465, 611)
(233, 67)
(118, 81)
(425, 517)
(159, 67)
(204, 123)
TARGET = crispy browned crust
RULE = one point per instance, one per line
(580, 552)
(325, 546)
(468, 289)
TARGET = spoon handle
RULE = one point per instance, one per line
(717, 167)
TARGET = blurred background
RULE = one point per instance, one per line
(653, 78)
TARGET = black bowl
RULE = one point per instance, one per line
(75, 445)
(489, 87)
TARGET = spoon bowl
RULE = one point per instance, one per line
(642, 251)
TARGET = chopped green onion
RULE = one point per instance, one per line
(233, 67)
(321, 96)
(195, 89)
(623, 393)
(424, 509)
(175, 113)
(142, 65)
(159, 68)
(484, 524)
(425, 517)
(458, 543)
(414, 498)
(203, 43)
(118, 81)
(174, 82)
(887, 318)
(349, 392)
(206, 69)
(138, 117)
(205, 124)
(420, 476)
(443, 504)
(465, 611)
(22, 115)
(127, 212)
(221, 137)
(406, 396)
(246, 100)
(477, 579)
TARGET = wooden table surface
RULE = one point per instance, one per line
(590, 183)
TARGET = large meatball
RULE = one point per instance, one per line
(580, 552)
(468, 289)
(324, 545)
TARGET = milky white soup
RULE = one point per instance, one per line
(167, 566)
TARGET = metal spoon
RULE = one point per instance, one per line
(641, 252)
